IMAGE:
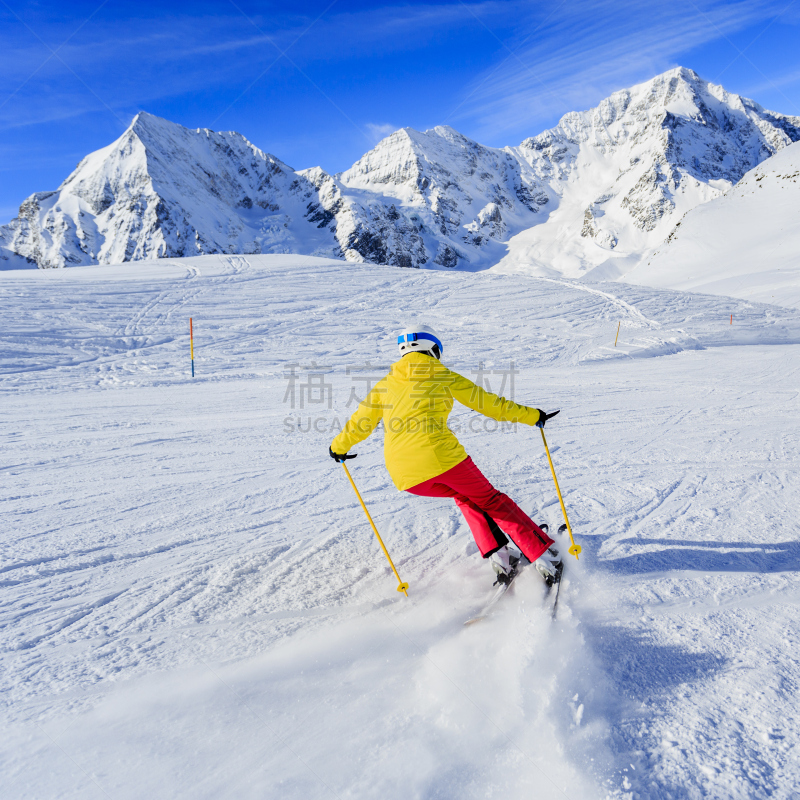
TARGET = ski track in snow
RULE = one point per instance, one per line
(193, 604)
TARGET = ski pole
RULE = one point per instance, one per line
(401, 587)
(576, 548)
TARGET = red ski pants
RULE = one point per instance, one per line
(490, 514)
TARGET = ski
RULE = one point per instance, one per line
(557, 582)
(502, 589)
(484, 612)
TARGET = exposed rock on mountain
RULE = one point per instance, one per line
(594, 195)
(744, 244)
(162, 190)
(624, 173)
(452, 199)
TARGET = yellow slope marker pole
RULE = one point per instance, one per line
(617, 336)
(576, 548)
(401, 587)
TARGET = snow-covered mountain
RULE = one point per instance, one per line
(596, 194)
(744, 244)
(451, 200)
(625, 172)
(162, 190)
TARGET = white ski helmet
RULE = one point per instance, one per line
(422, 338)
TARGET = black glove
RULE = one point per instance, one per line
(339, 457)
(544, 417)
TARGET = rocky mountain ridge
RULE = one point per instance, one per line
(162, 190)
(743, 244)
(594, 195)
(626, 171)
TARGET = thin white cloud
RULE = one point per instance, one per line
(590, 50)
(132, 64)
(790, 15)
(333, 37)
(379, 131)
(774, 85)
(584, 50)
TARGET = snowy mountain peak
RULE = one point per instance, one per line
(600, 190)
(163, 190)
(628, 169)
(145, 124)
(460, 198)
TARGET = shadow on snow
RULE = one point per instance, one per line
(699, 556)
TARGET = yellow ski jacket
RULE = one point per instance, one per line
(414, 401)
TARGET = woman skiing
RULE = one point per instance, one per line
(424, 457)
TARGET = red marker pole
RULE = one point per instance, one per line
(191, 343)
(731, 319)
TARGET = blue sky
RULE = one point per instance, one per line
(318, 83)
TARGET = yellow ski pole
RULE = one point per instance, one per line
(402, 587)
(576, 548)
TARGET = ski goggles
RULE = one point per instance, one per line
(413, 337)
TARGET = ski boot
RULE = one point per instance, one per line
(505, 563)
(549, 565)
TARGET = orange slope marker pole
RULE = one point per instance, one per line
(401, 587)
(615, 340)
(191, 343)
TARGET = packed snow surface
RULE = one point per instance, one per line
(744, 244)
(194, 606)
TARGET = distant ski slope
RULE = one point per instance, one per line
(745, 244)
(194, 606)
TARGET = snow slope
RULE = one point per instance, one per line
(744, 244)
(592, 196)
(194, 606)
